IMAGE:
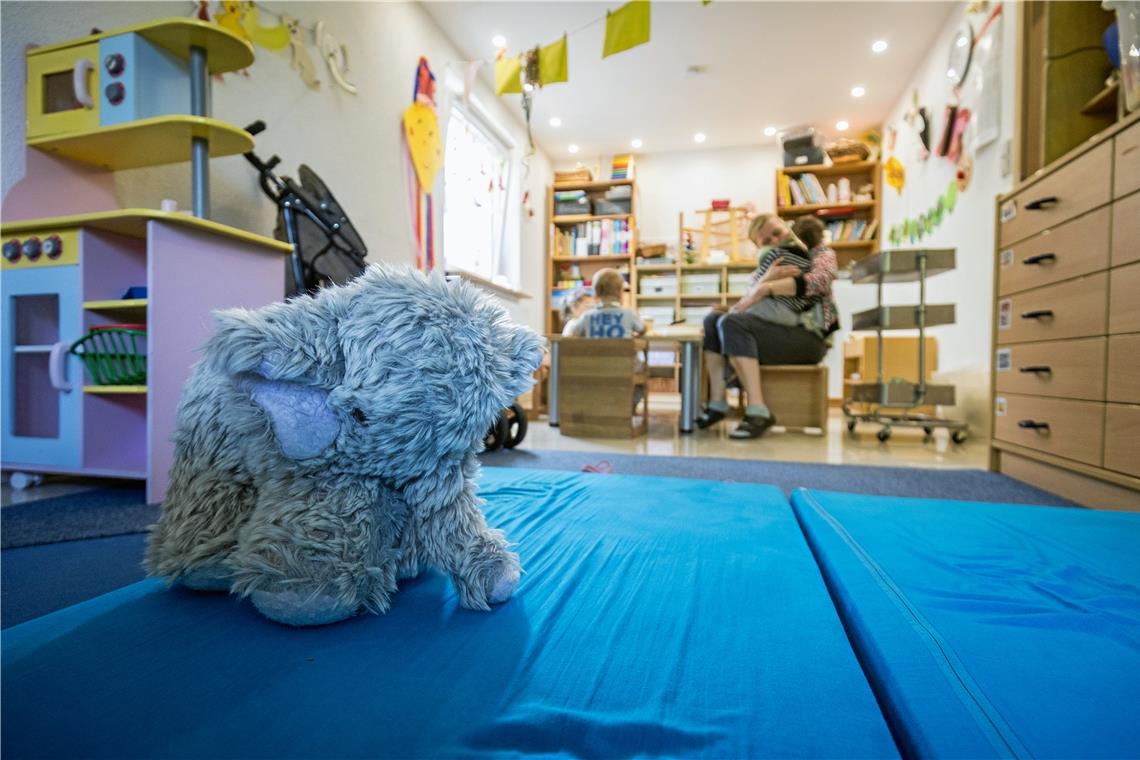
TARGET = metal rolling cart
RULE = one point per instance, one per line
(887, 394)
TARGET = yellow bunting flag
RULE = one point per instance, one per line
(552, 63)
(507, 72)
(421, 128)
(626, 27)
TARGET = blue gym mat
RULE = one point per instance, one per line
(656, 617)
(988, 630)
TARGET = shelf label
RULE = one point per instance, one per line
(1007, 258)
(1004, 359)
(1008, 211)
(1005, 313)
(999, 406)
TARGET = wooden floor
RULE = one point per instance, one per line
(905, 447)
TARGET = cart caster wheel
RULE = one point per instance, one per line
(884, 434)
(22, 481)
(958, 436)
(851, 426)
(516, 426)
(498, 434)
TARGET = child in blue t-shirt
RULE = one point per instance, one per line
(609, 319)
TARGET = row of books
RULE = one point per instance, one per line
(852, 229)
(605, 237)
(622, 167)
(801, 190)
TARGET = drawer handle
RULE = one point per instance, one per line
(1040, 258)
(1032, 425)
(1041, 204)
(1037, 314)
(1037, 370)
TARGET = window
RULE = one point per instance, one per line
(480, 225)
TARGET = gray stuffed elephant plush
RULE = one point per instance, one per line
(325, 448)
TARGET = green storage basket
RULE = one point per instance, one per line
(114, 354)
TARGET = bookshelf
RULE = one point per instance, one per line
(579, 244)
(855, 224)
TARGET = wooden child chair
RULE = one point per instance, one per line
(601, 384)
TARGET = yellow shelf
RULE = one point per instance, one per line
(813, 207)
(108, 389)
(589, 259)
(579, 218)
(132, 222)
(225, 51)
(132, 304)
(830, 170)
(146, 142)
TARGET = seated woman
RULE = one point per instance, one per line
(785, 318)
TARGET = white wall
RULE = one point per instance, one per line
(964, 348)
(353, 142)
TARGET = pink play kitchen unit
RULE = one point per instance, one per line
(104, 312)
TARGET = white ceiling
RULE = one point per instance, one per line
(779, 64)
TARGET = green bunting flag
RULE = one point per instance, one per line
(626, 27)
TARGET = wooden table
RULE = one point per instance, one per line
(689, 342)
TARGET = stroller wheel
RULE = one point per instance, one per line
(516, 425)
(497, 434)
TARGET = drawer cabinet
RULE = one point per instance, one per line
(1063, 369)
(1078, 186)
(1124, 368)
(1122, 438)
(1070, 429)
(1124, 299)
(1074, 248)
(1127, 160)
(1072, 309)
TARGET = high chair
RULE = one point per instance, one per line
(601, 384)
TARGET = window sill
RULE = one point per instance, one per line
(517, 295)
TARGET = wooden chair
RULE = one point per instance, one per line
(601, 382)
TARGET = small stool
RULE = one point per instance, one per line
(601, 382)
(796, 394)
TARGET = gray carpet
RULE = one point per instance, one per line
(104, 512)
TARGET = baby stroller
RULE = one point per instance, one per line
(327, 249)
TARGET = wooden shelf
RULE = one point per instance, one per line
(604, 184)
(1104, 102)
(110, 389)
(580, 218)
(811, 208)
(656, 267)
(225, 51)
(146, 142)
(656, 297)
(589, 259)
(838, 244)
(831, 170)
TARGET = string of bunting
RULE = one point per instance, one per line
(913, 229)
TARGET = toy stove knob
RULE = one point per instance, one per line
(115, 93)
(12, 250)
(53, 247)
(115, 64)
(31, 248)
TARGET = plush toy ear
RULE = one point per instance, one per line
(302, 421)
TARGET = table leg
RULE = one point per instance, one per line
(552, 386)
(690, 383)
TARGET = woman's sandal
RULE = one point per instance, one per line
(709, 417)
(753, 427)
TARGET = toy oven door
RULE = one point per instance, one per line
(63, 91)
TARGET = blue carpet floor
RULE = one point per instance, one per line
(65, 549)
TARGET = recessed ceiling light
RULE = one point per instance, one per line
(499, 41)
(699, 137)
(573, 149)
(636, 142)
(841, 126)
(879, 46)
(555, 121)
(857, 92)
(769, 131)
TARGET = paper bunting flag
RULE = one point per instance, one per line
(626, 27)
(268, 37)
(552, 64)
(507, 71)
(231, 19)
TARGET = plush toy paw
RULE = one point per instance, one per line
(505, 585)
(207, 578)
(301, 607)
